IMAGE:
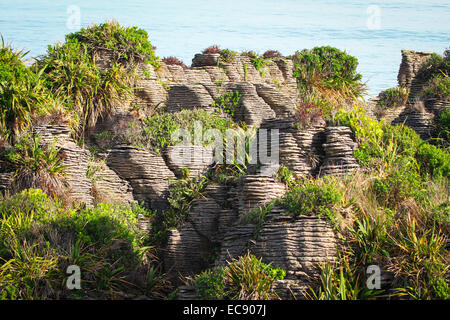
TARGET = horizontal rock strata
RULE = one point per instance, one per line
(146, 172)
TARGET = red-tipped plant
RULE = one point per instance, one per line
(211, 50)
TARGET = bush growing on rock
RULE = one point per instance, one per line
(391, 98)
(156, 132)
(23, 95)
(37, 166)
(327, 77)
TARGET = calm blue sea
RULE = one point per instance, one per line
(373, 31)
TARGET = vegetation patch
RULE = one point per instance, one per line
(245, 278)
(36, 165)
(327, 77)
(39, 239)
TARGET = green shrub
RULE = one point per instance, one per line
(227, 55)
(156, 132)
(437, 87)
(433, 161)
(39, 238)
(246, 278)
(182, 193)
(312, 197)
(442, 121)
(228, 102)
(391, 98)
(23, 95)
(436, 65)
(88, 93)
(37, 166)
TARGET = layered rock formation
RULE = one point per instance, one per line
(146, 172)
(214, 228)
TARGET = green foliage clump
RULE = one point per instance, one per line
(246, 278)
(392, 98)
(388, 147)
(436, 72)
(39, 238)
(88, 92)
(399, 209)
(442, 121)
(327, 67)
(228, 102)
(156, 132)
(182, 193)
(23, 95)
(436, 65)
(317, 197)
(36, 165)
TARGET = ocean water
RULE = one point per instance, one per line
(374, 31)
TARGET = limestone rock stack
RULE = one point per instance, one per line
(255, 191)
(195, 158)
(339, 149)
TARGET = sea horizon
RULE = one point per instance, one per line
(374, 32)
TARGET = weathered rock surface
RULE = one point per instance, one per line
(5, 183)
(146, 172)
(255, 191)
(407, 77)
(300, 149)
(108, 187)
